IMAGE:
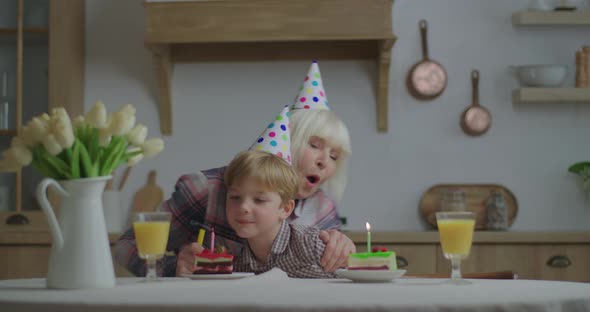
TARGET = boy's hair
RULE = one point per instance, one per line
(326, 125)
(272, 172)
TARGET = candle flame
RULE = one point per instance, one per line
(368, 226)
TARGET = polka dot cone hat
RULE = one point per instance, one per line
(311, 94)
(276, 138)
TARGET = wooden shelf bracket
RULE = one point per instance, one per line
(383, 62)
(262, 30)
(163, 67)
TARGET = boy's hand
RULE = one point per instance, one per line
(338, 247)
(186, 258)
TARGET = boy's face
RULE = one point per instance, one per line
(316, 165)
(254, 212)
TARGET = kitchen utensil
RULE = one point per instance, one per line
(452, 200)
(125, 177)
(476, 197)
(540, 75)
(427, 79)
(149, 196)
(496, 213)
(109, 185)
(475, 119)
(581, 69)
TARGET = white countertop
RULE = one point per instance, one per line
(273, 291)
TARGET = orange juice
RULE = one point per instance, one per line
(151, 237)
(456, 236)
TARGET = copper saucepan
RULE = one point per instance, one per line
(427, 79)
(475, 119)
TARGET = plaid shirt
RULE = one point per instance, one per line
(297, 250)
(199, 201)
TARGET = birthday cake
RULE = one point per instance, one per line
(209, 262)
(378, 259)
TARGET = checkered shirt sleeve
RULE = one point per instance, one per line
(297, 250)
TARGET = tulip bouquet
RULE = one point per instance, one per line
(88, 146)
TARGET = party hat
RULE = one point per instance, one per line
(275, 139)
(312, 94)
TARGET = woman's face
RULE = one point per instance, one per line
(316, 165)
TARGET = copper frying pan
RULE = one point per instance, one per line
(475, 119)
(427, 79)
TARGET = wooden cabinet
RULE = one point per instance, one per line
(531, 255)
(42, 49)
(25, 253)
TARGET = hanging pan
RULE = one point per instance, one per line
(475, 119)
(427, 79)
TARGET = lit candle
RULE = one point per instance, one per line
(368, 237)
(201, 237)
(212, 240)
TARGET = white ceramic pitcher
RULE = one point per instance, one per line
(80, 255)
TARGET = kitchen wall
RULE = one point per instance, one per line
(219, 108)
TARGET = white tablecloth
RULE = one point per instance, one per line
(276, 292)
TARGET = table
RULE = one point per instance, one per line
(276, 292)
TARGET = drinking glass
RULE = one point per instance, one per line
(151, 234)
(456, 234)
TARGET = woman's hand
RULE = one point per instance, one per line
(338, 247)
(186, 258)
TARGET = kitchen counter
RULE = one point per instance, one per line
(513, 237)
(41, 236)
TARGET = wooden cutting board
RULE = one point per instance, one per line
(476, 196)
(149, 197)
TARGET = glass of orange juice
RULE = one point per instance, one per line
(456, 234)
(151, 234)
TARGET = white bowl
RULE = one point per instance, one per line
(540, 75)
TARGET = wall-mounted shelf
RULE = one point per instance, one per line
(25, 30)
(249, 30)
(551, 18)
(30, 35)
(551, 95)
(7, 133)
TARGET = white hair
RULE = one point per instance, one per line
(326, 125)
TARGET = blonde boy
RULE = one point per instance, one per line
(261, 188)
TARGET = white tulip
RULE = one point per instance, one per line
(45, 117)
(78, 122)
(22, 155)
(59, 112)
(51, 145)
(16, 157)
(38, 129)
(97, 116)
(121, 123)
(152, 147)
(135, 159)
(128, 109)
(63, 133)
(104, 137)
(137, 135)
(27, 136)
(17, 141)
